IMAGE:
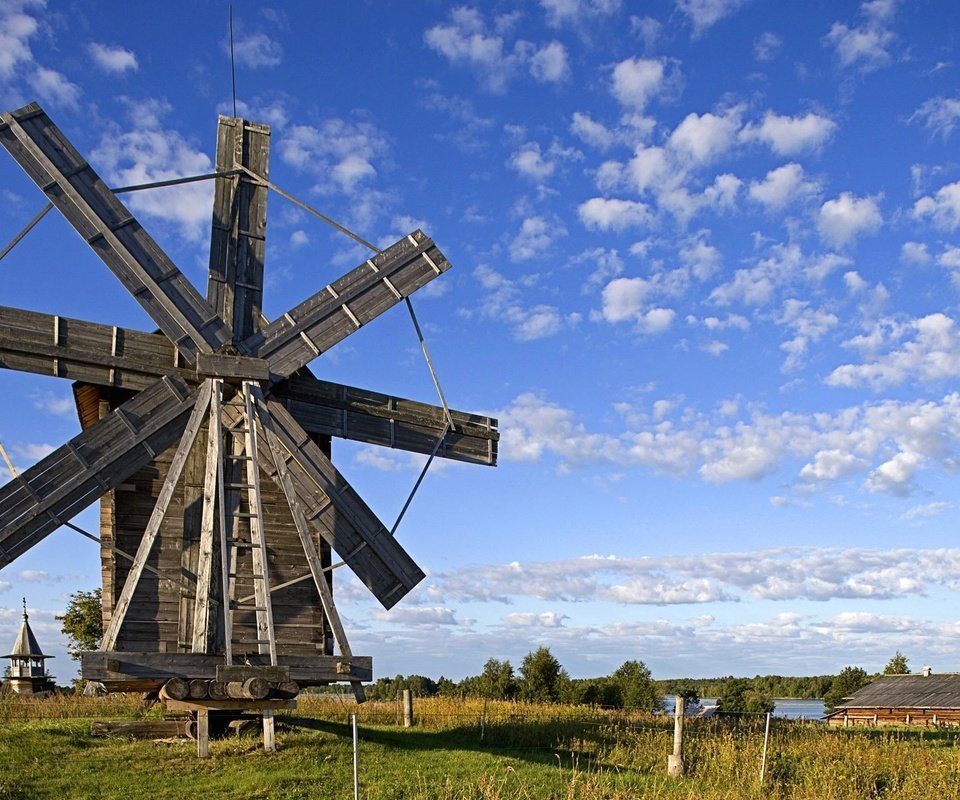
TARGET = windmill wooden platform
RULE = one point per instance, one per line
(208, 443)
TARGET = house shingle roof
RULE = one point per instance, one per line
(908, 691)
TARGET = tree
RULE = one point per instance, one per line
(540, 676)
(82, 622)
(732, 697)
(636, 686)
(497, 680)
(845, 684)
(898, 665)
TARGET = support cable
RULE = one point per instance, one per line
(119, 190)
(448, 417)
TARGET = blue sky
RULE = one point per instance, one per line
(705, 272)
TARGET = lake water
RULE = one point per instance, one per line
(785, 708)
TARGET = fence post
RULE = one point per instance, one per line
(763, 760)
(356, 761)
(407, 708)
(675, 761)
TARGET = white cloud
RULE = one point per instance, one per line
(149, 153)
(767, 46)
(33, 575)
(807, 325)
(915, 253)
(590, 131)
(701, 138)
(758, 284)
(703, 14)
(782, 186)
(574, 12)
(790, 135)
(530, 619)
(529, 161)
(336, 148)
(113, 59)
(465, 40)
(256, 50)
(535, 237)
(866, 46)
(892, 442)
(16, 30)
(299, 238)
(842, 220)
(925, 349)
(550, 64)
(943, 208)
(599, 213)
(502, 302)
(939, 115)
(624, 300)
(636, 81)
(418, 616)
(53, 87)
(53, 403)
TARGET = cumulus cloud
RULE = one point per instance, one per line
(604, 214)
(865, 47)
(892, 442)
(575, 12)
(503, 301)
(782, 186)
(151, 152)
(767, 46)
(704, 14)
(550, 64)
(807, 325)
(53, 87)
(636, 81)
(842, 220)
(942, 208)
(787, 135)
(925, 349)
(774, 574)
(113, 59)
(256, 50)
(17, 28)
(625, 300)
(701, 138)
(535, 237)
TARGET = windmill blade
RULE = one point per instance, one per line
(331, 505)
(317, 324)
(112, 231)
(103, 456)
(84, 351)
(332, 409)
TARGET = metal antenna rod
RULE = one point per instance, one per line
(233, 69)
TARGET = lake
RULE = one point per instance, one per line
(786, 708)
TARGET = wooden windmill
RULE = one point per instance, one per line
(208, 441)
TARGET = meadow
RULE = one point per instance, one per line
(466, 749)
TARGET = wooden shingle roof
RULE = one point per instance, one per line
(908, 691)
(26, 645)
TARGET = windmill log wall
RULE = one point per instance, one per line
(160, 618)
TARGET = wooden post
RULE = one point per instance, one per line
(675, 761)
(763, 760)
(203, 733)
(356, 761)
(269, 740)
(407, 708)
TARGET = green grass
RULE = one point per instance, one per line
(534, 752)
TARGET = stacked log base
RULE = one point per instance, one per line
(253, 688)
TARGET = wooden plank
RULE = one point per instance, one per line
(231, 367)
(202, 605)
(332, 409)
(112, 231)
(344, 520)
(237, 244)
(240, 672)
(156, 668)
(90, 464)
(329, 316)
(201, 408)
(69, 348)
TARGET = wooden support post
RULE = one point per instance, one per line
(675, 761)
(407, 708)
(269, 740)
(203, 733)
(766, 740)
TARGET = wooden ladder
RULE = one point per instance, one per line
(242, 481)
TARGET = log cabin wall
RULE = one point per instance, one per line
(160, 618)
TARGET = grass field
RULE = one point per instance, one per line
(464, 749)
